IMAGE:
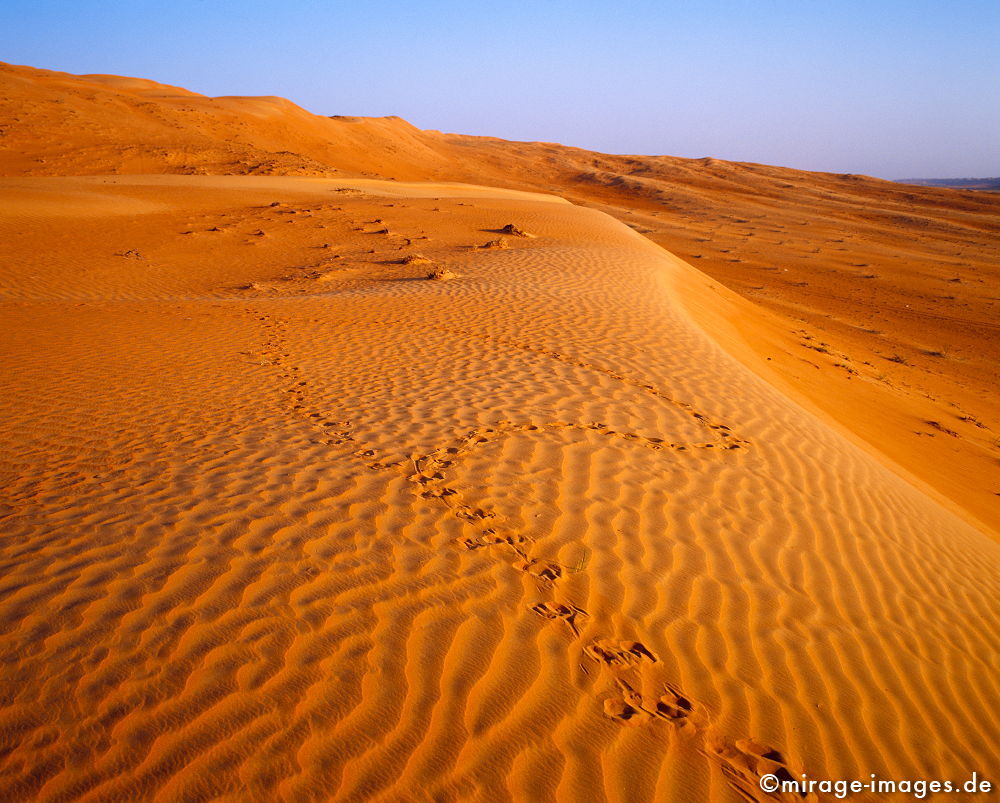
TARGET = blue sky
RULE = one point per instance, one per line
(890, 88)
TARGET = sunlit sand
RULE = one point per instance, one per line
(309, 494)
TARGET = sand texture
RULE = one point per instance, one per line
(884, 296)
(286, 518)
(309, 495)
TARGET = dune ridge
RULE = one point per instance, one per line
(881, 291)
(286, 520)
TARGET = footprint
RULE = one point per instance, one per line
(543, 570)
(746, 761)
(627, 705)
(496, 539)
(620, 653)
(438, 493)
(474, 513)
(556, 611)
(673, 705)
(423, 478)
(619, 709)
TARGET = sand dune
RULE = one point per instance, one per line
(458, 486)
(285, 520)
(885, 292)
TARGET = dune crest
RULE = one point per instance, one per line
(884, 292)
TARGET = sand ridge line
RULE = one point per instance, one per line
(815, 236)
(722, 433)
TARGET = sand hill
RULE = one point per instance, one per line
(885, 292)
(287, 518)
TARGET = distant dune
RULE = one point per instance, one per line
(956, 183)
(344, 460)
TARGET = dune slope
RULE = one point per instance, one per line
(884, 292)
(286, 519)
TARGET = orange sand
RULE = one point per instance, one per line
(285, 519)
(886, 295)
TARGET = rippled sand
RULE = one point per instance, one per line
(285, 519)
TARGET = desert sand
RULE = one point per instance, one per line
(409, 471)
